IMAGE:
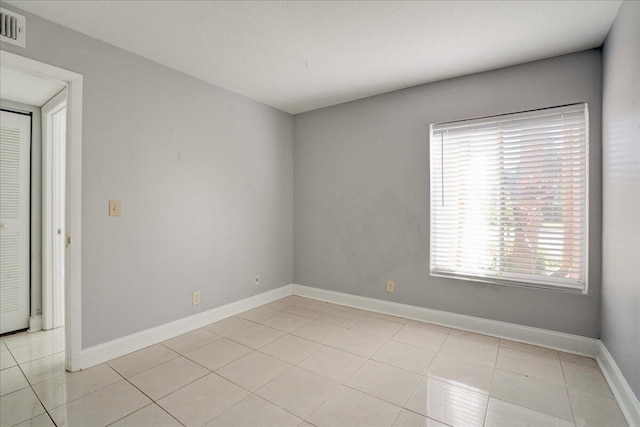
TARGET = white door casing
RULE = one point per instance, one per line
(54, 118)
(15, 159)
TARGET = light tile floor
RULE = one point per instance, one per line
(301, 362)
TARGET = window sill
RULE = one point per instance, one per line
(539, 286)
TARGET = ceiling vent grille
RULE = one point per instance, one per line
(13, 28)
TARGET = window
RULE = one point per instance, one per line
(509, 198)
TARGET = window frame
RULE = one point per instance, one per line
(565, 288)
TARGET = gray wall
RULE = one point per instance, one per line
(361, 192)
(36, 201)
(205, 180)
(621, 193)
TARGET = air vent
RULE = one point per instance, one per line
(13, 28)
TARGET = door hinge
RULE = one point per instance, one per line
(68, 240)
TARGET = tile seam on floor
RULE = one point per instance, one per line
(37, 358)
(601, 396)
(153, 401)
(493, 378)
(505, 369)
(396, 417)
(383, 362)
(35, 343)
(531, 409)
(344, 383)
(564, 377)
(30, 418)
(369, 358)
(381, 398)
(599, 370)
(179, 388)
(96, 391)
(245, 355)
(557, 355)
(238, 342)
(37, 397)
(254, 393)
(25, 378)
(566, 390)
(79, 397)
(226, 364)
(146, 406)
(194, 349)
(235, 404)
(529, 353)
(39, 382)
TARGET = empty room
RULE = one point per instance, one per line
(320, 213)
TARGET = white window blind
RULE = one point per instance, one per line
(509, 198)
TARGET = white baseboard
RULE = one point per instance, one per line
(541, 337)
(625, 397)
(35, 323)
(110, 350)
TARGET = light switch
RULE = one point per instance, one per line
(114, 207)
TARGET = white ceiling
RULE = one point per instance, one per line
(302, 55)
(26, 88)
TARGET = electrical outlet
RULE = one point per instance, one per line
(391, 286)
(257, 281)
(195, 298)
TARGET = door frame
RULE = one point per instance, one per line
(73, 208)
(49, 193)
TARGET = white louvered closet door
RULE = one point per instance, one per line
(15, 139)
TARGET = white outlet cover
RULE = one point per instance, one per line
(391, 286)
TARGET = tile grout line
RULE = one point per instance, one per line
(80, 397)
(224, 378)
(140, 409)
(153, 402)
(401, 407)
(30, 344)
(493, 378)
(329, 346)
(237, 385)
(46, 411)
(253, 393)
(144, 370)
(534, 410)
(566, 388)
(344, 383)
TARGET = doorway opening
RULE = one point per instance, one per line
(43, 171)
